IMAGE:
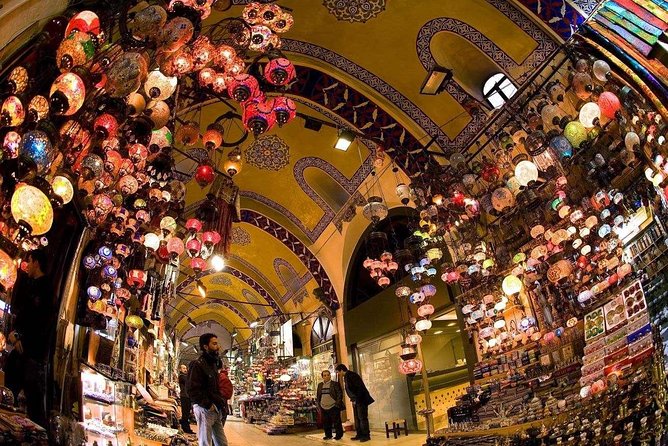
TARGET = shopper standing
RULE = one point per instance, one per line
(329, 398)
(186, 405)
(361, 399)
(32, 305)
(208, 404)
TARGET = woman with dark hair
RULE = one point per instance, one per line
(330, 402)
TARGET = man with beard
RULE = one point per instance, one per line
(208, 403)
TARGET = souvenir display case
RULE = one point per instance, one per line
(107, 408)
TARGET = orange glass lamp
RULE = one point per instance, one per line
(7, 270)
(32, 210)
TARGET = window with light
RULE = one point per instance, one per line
(498, 89)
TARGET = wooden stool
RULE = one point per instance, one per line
(397, 426)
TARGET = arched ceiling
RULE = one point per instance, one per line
(300, 198)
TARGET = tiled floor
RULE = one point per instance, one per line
(242, 434)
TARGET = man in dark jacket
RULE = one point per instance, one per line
(361, 399)
(208, 404)
(186, 405)
(32, 305)
(329, 399)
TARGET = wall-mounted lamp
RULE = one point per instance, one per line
(345, 139)
(436, 80)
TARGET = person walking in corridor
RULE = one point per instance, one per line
(329, 399)
(208, 403)
(361, 399)
(186, 405)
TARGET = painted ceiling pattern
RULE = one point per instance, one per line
(268, 152)
(354, 10)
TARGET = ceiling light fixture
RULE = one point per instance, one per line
(184, 343)
(438, 332)
(312, 123)
(218, 263)
(234, 334)
(254, 324)
(436, 80)
(201, 289)
(345, 139)
(192, 323)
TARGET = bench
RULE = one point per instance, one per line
(397, 426)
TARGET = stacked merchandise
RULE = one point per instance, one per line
(17, 429)
(650, 252)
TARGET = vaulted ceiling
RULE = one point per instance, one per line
(360, 66)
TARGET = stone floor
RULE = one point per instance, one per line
(242, 434)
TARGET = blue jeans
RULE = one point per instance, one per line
(209, 426)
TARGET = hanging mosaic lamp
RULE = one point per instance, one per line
(576, 133)
(67, 94)
(285, 110)
(134, 321)
(590, 115)
(410, 367)
(609, 104)
(12, 113)
(18, 80)
(36, 147)
(561, 146)
(62, 188)
(243, 87)
(601, 70)
(8, 272)
(38, 108)
(423, 325)
(233, 164)
(526, 173)
(511, 285)
(31, 209)
(279, 71)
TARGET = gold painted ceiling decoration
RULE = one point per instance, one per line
(354, 10)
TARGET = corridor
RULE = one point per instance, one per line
(242, 434)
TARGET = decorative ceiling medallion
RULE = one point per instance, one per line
(268, 152)
(240, 236)
(221, 279)
(354, 10)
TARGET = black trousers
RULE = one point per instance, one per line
(362, 420)
(186, 408)
(332, 418)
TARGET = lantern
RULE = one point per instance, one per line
(193, 246)
(62, 188)
(148, 22)
(168, 225)
(204, 175)
(285, 110)
(413, 339)
(243, 87)
(526, 173)
(609, 104)
(134, 321)
(94, 293)
(233, 163)
(582, 85)
(176, 33)
(137, 278)
(576, 133)
(410, 367)
(105, 125)
(18, 80)
(423, 325)
(402, 291)
(425, 310)
(590, 114)
(31, 209)
(213, 137)
(36, 146)
(12, 113)
(175, 247)
(75, 50)
(67, 94)
(601, 70)
(151, 241)
(511, 285)
(197, 264)
(561, 146)
(187, 134)
(84, 22)
(279, 71)
(502, 199)
(223, 55)
(8, 271)
(158, 86)
(38, 108)
(125, 74)
(258, 117)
